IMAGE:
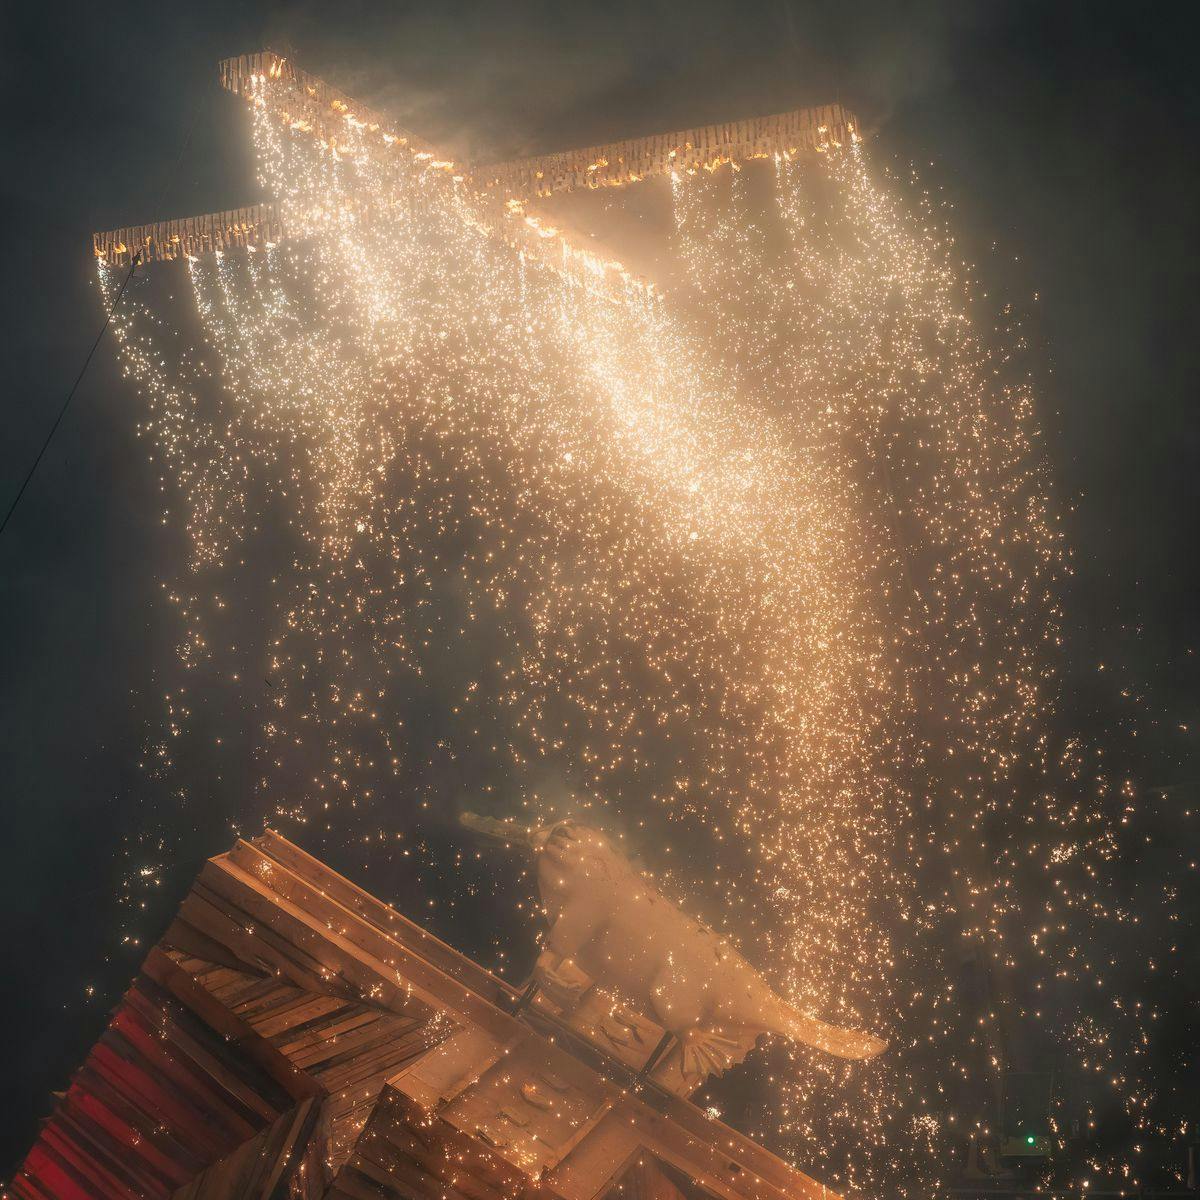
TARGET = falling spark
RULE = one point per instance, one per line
(770, 567)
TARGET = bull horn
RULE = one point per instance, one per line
(508, 833)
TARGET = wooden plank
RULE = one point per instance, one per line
(256, 1049)
(45, 1174)
(399, 1158)
(293, 1015)
(427, 1137)
(250, 994)
(374, 1070)
(402, 1177)
(100, 1179)
(269, 953)
(125, 1160)
(146, 1091)
(350, 947)
(348, 1045)
(365, 1044)
(82, 1108)
(209, 1073)
(288, 1142)
(92, 1085)
(374, 912)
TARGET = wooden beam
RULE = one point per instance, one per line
(164, 241)
(616, 164)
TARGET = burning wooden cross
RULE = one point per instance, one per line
(504, 194)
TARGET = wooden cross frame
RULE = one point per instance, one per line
(505, 194)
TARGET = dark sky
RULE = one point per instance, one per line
(1063, 133)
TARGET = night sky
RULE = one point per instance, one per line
(1062, 134)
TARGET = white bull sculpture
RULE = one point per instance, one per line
(611, 928)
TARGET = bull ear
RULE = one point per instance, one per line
(507, 833)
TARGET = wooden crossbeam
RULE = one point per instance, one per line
(316, 107)
(615, 164)
(163, 241)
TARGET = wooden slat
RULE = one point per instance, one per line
(376, 1069)
(294, 1014)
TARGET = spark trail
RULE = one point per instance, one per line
(766, 573)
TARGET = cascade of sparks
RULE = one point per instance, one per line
(764, 574)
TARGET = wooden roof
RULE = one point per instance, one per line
(293, 1035)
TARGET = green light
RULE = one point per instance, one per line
(1030, 1139)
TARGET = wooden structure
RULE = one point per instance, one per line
(503, 195)
(291, 1036)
